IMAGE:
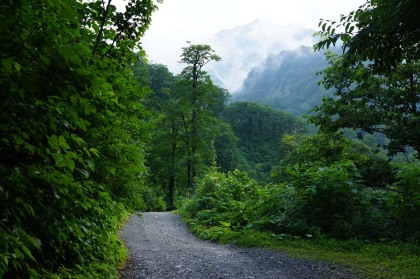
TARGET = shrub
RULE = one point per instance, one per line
(276, 209)
(222, 199)
(405, 201)
(328, 196)
(317, 199)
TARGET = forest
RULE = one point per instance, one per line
(91, 132)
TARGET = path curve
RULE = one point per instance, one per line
(161, 247)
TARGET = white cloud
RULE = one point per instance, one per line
(245, 47)
(178, 21)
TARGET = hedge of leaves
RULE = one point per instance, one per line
(314, 197)
(72, 134)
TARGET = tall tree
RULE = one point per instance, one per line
(170, 153)
(376, 80)
(165, 158)
(196, 57)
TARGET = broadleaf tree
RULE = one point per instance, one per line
(186, 109)
(376, 79)
(200, 88)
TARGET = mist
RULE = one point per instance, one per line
(246, 47)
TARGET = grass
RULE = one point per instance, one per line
(370, 260)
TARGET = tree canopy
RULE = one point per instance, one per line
(376, 80)
(385, 32)
(186, 109)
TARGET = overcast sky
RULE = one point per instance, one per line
(178, 21)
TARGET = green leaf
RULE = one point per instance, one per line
(7, 64)
(63, 143)
(59, 159)
(46, 60)
(18, 254)
(53, 142)
(94, 151)
(69, 161)
(27, 252)
(17, 66)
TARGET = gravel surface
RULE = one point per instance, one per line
(161, 247)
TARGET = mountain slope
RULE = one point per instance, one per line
(244, 47)
(286, 81)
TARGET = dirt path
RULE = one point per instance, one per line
(161, 247)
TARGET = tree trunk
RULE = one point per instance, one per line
(171, 192)
(172, 169)
(193, 127)
(189, 178)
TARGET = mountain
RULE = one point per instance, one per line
(287, 80)
(246, 47)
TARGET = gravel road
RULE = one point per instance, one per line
(161, 247)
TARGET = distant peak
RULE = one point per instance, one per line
(247, 46)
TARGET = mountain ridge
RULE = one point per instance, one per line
(286, 81)
(245, 47)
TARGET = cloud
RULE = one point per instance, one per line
(178, 21)
(246, 47)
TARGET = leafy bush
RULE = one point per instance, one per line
(404, 201)
(329, 148)
(334, 200)
(71, 127)
(222, 199)
(316, 199)
(329, 196)
(152, 200)
(276, 210)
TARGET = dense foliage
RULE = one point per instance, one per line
(258, 129)
(222, 199)
(384, 32)
(324, 192)
(376, 81)
(72, 135)
(386, 103)
(195, 116)
(185, 115)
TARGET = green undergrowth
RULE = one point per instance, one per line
(114, 258)
(370, 260)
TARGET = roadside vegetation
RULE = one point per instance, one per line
(232, 208)
(72, 135)
(338, 195)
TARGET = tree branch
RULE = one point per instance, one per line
(101, 30)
